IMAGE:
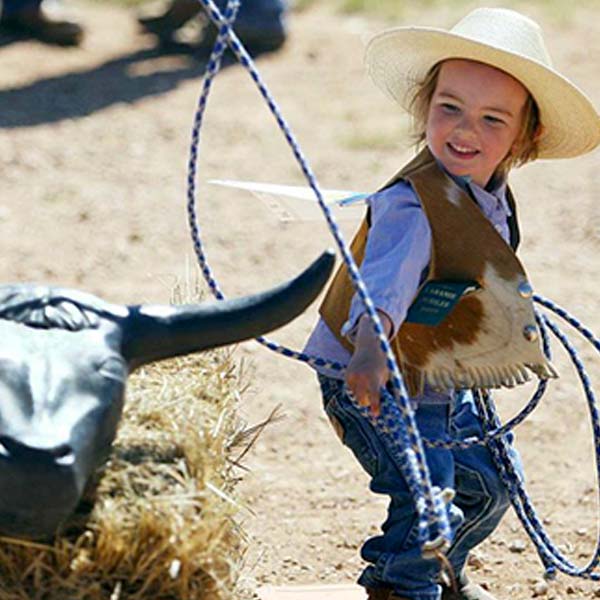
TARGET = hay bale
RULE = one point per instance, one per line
(160, 523)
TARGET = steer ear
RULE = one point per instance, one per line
(156, 332)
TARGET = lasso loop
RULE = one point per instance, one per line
(396, 423)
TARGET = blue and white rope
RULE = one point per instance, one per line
(552, 558)
(396, 422)
(432, 515)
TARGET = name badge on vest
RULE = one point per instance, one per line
(436, 299)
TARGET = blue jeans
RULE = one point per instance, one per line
(481, 499)
(13, 7)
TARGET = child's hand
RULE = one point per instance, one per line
(367, 370)
(365, 375)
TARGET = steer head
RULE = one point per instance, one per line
(64, 361)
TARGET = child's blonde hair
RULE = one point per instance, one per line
(526, 143)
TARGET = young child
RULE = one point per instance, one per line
(484, 98)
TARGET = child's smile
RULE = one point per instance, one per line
(461, 151)
(474, 118)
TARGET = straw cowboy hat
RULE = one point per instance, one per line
(399, 58)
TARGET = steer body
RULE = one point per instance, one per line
(64, 361)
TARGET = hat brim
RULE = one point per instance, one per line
(398, 59)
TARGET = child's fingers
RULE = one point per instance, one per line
(364, 392)
(371, 400)
(375, 405)
(359, 391)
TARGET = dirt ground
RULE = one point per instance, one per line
(93, 152)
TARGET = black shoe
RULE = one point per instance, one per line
(382, 594)
(37, 25)
(256, 39)
(176, 16)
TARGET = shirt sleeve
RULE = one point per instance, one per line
(398, 250)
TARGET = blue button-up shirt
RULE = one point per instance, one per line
(397, 253)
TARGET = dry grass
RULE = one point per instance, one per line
(162, 524)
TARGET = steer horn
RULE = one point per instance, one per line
(156, 332)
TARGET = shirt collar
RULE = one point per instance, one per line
(493, 198)
(490, 198)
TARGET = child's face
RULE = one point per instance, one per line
(474, 118)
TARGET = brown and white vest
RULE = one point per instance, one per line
(490, 338)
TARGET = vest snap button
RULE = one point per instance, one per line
(525, 290)
(530, 333)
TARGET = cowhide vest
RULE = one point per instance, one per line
(489, 338)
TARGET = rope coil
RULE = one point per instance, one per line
(396, 423)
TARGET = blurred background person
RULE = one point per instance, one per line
(26, 18)
(260, 24)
